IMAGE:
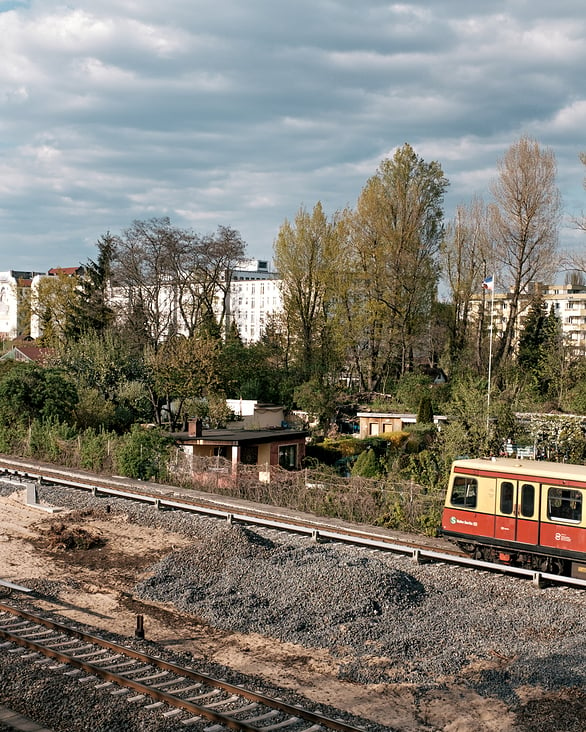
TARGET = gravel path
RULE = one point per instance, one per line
(385, 617)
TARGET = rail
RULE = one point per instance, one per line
(317, 528)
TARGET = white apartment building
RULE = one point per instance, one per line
(569, 303)
(15, 303)
(255, 297)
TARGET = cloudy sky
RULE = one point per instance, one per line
(237, 112)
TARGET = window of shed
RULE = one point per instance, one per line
(288, 456)
(249, 454)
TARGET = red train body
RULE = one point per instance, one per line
(524, 513)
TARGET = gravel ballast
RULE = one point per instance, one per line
(383, 616)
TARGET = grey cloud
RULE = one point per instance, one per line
(239, 113)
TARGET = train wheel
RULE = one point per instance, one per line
(554, 565)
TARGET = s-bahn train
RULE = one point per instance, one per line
(523, 513)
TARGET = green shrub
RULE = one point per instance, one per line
(367, 465)
(143, 453)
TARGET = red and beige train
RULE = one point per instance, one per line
(520, 512)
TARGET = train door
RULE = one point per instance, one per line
(517, 511)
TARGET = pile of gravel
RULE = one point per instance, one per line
(316, 595)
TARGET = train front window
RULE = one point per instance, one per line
(564, 504)
(464, 492)
(507, 497)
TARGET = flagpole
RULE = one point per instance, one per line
(489, 359)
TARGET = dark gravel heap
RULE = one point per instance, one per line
(316, 595)
(386, 618)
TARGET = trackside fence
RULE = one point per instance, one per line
(403, 505)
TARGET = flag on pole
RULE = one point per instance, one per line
(488, 283)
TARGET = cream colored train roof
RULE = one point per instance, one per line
(537, 468)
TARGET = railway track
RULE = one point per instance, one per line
(151, 682)
(233, 511)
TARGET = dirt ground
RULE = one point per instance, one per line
(103, 574)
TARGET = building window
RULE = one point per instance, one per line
(288, 456)
(249, 454)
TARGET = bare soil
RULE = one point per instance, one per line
(100, 558)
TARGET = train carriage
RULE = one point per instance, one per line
(523, 513)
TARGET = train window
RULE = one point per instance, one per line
(507, 496)
(564, 504)
(527, 499)
(464, 492)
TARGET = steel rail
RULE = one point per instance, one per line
(161, 696)
(314, 528)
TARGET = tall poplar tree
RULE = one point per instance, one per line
(306, 257)
(392, 246)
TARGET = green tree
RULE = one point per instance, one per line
(306, 257)
(319, 399)
(532, 339)
(425, 411)
(541, 354)
(182, 369)
(392, 243)
(53, 307)
(92, 311)
(110, 379)
(367, 465)
(143, 454)
(29, 392)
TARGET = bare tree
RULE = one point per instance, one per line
(169, 278)
(526, 217)
(467, 256)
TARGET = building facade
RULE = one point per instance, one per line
(568, 303)
(15, 304)
(254, 298)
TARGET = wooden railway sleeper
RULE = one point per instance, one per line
(150, 677)
(184, 690)
(263, 717)
(241, 710)
(214, 692)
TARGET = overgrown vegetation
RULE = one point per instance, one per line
(144, 341)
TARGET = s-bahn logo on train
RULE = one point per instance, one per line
(454, 520)
(519, 512)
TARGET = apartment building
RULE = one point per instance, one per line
(254, 297)
(568, 301)
(15, 303)
(249, 297)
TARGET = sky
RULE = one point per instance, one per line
(238, 112)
